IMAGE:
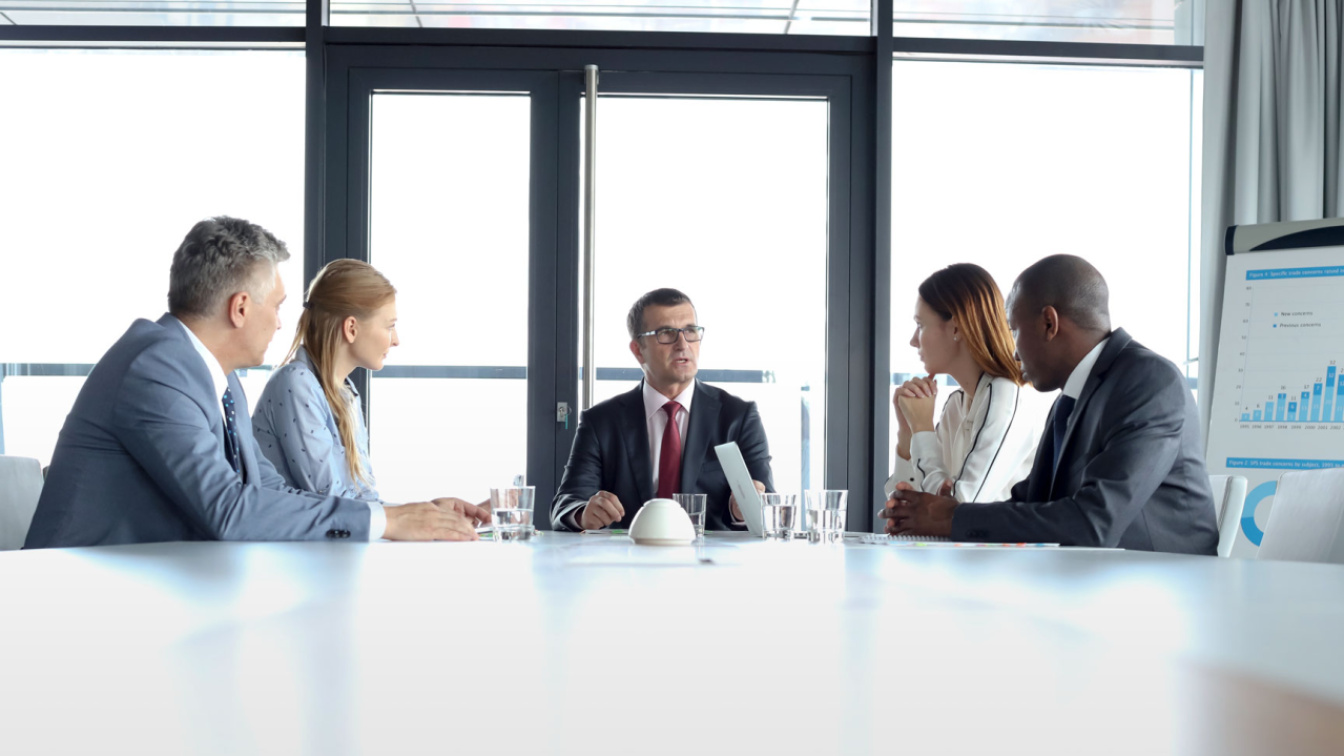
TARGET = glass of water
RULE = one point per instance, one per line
(694, 504)
(826, 516)
(779, 515)
(511, 512)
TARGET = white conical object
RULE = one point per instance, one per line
(662, 522)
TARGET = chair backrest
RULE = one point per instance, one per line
(1307, 521)
(20, 487)
(1229, 498)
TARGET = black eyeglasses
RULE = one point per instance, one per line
(669, 335)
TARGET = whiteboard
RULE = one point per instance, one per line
(1278, 401)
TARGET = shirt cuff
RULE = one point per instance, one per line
(923, 444)
(905, 471)
(377, 520)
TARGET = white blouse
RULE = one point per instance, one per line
(984, 449)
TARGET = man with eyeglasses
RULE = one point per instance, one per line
(658, 439)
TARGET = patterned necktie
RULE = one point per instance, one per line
(1063, 408)
(669, 457)
(230, 431)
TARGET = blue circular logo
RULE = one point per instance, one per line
(1258, 494)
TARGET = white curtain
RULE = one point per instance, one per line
(1272, 79)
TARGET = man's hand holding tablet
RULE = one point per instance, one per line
(735, 509)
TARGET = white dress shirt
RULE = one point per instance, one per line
(217, 375)
(1073, 387)
(377, 517)
(657, 421)
(984, 448)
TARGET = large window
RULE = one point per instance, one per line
(1001, 164)
(1150, 22)
(739, 170)
(152, 12)
(448, 226)
(114, 156)
(729, 207)
(844, 17)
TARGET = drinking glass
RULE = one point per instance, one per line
(511, 512)
(694, 504)
(779, 515)
(826, 516)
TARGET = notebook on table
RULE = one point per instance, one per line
(914, 540)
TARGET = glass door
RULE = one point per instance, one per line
(465, 187)
(444, 176)
(447, 226)
(723, 195)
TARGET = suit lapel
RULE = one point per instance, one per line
(699, 429)
(200, 372)
(247, 462)
(1118, 341)
(635, 434)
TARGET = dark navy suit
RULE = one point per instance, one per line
(1131, 467)
(611, 453)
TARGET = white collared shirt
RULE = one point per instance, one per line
(217, 374)
(377, 517)
(1073, 387)
(657, 421)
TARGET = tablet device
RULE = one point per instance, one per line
(739, 480)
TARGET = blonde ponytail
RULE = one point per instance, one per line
(341, 289)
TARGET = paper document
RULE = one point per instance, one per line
(739, 480)
(939, 541)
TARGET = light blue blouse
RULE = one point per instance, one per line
(297, 432)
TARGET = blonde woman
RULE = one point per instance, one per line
(308, 421)
(986, 438)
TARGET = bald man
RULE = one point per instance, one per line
(1120, 464)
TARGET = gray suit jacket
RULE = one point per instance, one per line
(1132, 470)
(141, 459)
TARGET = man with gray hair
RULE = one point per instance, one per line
(1121, 463)
(159, 445)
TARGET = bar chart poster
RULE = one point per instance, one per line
(1279, 386)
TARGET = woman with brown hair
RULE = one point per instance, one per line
(986, 438)
(308, 421)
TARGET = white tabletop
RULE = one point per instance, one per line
(591, 643)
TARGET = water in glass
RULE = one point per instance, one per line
(511, 513)
(826, 512)
(779, 515)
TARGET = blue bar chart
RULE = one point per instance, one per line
(1320, 401)
(1278, 394)
(1291, 346)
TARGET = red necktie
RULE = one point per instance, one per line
(669, 457)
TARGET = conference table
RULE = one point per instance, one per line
(592, 644)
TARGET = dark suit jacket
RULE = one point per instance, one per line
(1132, 472)
(611, 453)
(141, 459)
